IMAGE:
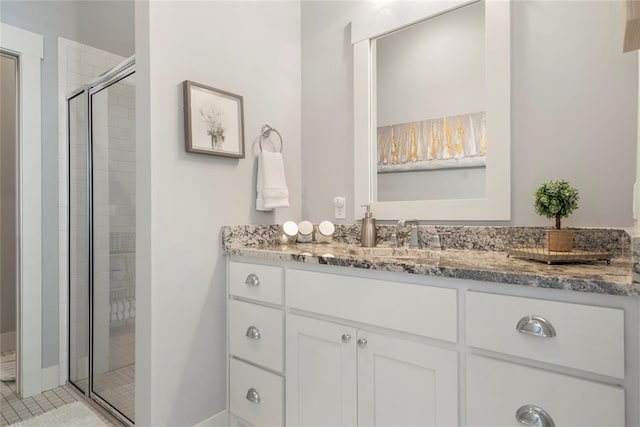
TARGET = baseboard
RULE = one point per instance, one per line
(50, 378)
(238, 422)
(221, 419)
(8, 341)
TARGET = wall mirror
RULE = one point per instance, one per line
(432, 110)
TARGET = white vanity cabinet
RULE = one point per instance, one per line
(342, 347)
(506, 394)
(322, 377)
(577, 336)
(402, 382)
(342, 376)
(256, 344)
(573, 335)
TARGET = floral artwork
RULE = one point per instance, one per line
(214, 126)
(440, 143)
(213, 121)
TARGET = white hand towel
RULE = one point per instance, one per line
(272, 184)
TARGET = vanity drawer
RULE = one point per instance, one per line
(422, 310)
(587, 337)
(255, 281)
(496, 390)
(256, 396)
(256, 333)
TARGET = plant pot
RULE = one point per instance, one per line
(559, 240)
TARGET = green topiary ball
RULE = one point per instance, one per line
(556, 199)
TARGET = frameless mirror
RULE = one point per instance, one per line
(431, 98)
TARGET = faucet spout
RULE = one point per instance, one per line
(414, 241)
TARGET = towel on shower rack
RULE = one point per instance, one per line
(272, 185)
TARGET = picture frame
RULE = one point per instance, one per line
(213, 121)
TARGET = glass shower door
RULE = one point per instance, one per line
(112, 111)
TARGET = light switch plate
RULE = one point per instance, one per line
(339, 205)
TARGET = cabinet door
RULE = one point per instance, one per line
(498, 393)
(321, 384)
(405, 383)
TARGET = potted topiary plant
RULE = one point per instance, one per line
(557, 199)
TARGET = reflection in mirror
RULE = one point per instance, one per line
(429, 83)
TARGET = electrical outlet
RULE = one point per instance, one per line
(340, 207)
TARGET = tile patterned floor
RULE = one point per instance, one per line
(13, 409)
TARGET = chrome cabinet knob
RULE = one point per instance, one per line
(536, 325)
(362, 342)
(253, 333)
(252, 280)
(346, 338)
(534, 416)
(253, 396)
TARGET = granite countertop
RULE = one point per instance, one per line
(492, 266)
(484, 265)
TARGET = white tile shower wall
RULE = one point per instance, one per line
(77, 65)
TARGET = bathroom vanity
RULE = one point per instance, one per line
(334, 336)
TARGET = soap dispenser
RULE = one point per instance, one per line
(368, 229)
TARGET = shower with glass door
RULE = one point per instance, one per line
(102, 184)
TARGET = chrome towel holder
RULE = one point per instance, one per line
(265, 133)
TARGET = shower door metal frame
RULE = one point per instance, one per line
(81, 92)
(108, 78)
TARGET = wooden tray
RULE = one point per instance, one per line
(552, 257)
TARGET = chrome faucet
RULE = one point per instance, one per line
(414, 241)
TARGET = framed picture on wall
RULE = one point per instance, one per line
(213, 121)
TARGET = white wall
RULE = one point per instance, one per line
(574, 105)
(249, 48)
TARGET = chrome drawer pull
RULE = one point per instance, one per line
(346, 338)
(536, 325)
(253, 396)
(252, 280)
(533, 416)
(362, 342)
(253, 333)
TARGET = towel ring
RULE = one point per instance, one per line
(265, 133)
